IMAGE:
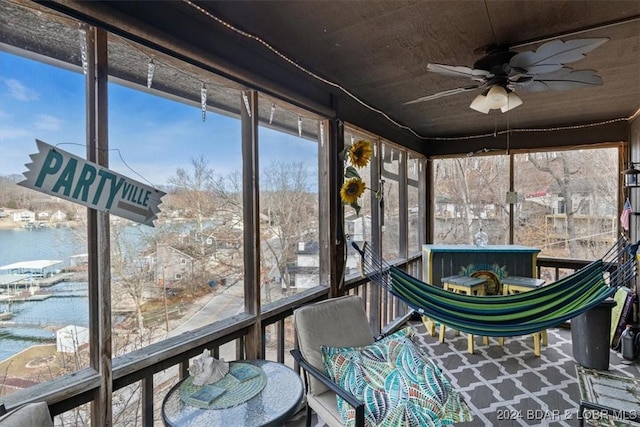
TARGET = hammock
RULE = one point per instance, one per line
(509, 315)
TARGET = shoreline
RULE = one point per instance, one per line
(9, 224)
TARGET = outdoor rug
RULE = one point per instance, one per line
(510, 386)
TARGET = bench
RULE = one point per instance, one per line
(464, 285)
(515, 285)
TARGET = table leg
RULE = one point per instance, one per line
(442, 332)
(536, 344)
(430, 325)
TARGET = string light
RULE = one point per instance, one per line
(83, 48)
(273, 111)
(154, 62)
(245, 98)
(203, 101)
(300, 126)
(82, 38)
(522, 130)
(352, 139)
(364, 104)
(150, 69)
(299, 67)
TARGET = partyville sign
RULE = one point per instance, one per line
(62, 174)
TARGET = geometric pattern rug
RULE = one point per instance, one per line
(509, 385)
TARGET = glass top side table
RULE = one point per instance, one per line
(608, 399)
(276, 403)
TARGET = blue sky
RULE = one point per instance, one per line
(155, 136)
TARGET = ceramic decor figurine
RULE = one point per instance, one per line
(206, 369)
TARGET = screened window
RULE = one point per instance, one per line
(43, 246)
(387, 195)
(469, 195)
(414, 207)
(358, 221)
(165, 130)
(289, 143)
(564, 208)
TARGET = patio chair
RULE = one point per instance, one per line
(370, 380)
(337, 322)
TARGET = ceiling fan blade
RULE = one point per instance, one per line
(443, 94)
(552, 55)
(459, 71)
(563, 79)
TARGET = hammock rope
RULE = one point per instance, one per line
(515, 314)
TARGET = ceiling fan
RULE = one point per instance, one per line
(502, 73)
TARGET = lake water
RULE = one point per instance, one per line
(68, 304)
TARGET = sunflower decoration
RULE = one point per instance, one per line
(358, 155)
(351, 190)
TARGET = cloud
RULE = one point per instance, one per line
(20, 92)
(9, 133)
(48, 123)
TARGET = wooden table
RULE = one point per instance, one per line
(274, 404)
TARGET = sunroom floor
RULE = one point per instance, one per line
(510, 386)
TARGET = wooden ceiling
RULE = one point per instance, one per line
(379, 51)
(366, 59)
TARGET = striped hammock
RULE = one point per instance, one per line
(509, 315)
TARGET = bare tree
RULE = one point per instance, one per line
(194, 188)
(130, 272)
(289, 207)
(215, 205)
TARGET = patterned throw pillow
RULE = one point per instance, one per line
(399, 385)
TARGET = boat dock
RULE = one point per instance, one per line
(26, 274)
(23, 296)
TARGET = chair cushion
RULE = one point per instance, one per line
(325, 407)
(30, 415)
(337, 322)
(399, 385)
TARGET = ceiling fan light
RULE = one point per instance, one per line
(497, 97)
(480, 104)
(513, 101)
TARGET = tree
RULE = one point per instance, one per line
(215, 204)
(581, 191)
(130, 272)
(290, 210)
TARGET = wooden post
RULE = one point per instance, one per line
(336, 217)
(98, 231)
(251, 217)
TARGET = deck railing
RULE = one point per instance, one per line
(145, 367)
